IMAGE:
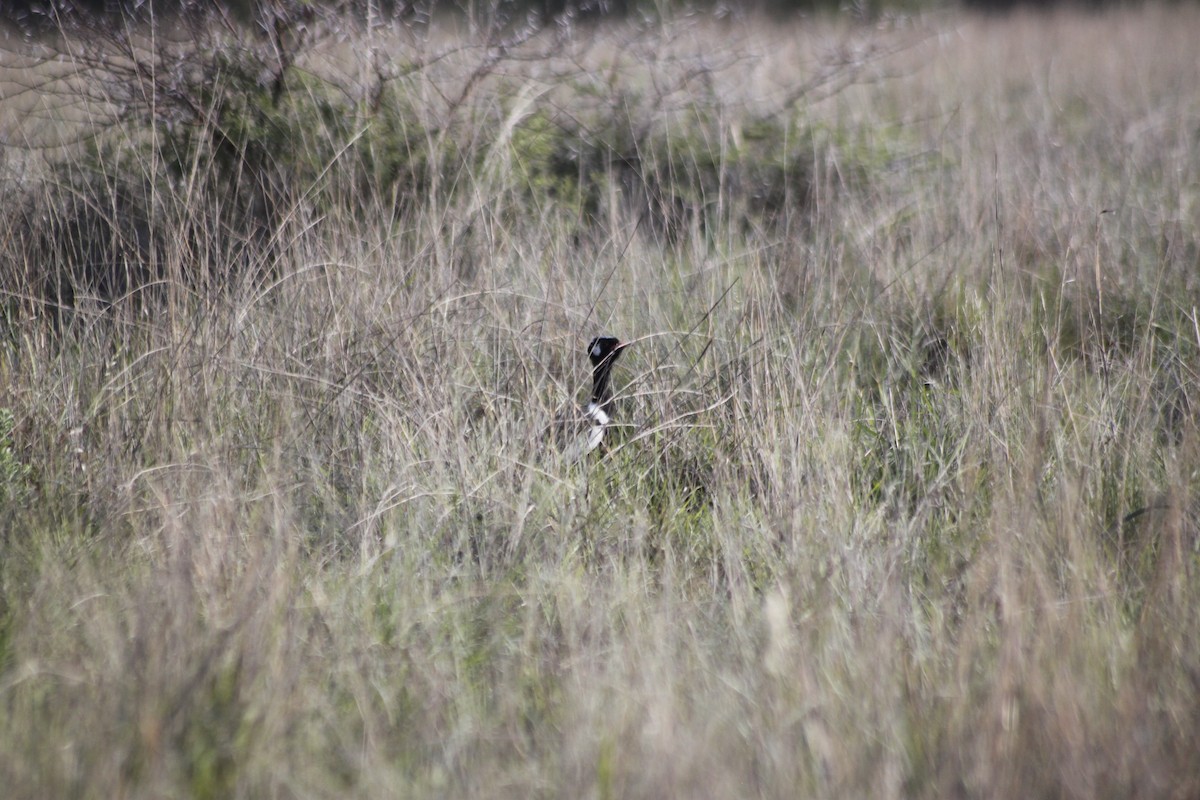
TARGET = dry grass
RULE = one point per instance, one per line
(862, 536)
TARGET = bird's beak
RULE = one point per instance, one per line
(621, 346)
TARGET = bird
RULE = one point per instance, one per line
(596, 416)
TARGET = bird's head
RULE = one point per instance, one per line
(605, 349)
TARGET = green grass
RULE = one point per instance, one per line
(915, 326)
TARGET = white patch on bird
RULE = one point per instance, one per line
(596, 415)
(595, 435)
(588, 440)
(596, 350)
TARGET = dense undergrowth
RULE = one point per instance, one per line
(900, 502)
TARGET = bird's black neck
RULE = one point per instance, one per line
(601, 385)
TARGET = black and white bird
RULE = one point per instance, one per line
(596, 417)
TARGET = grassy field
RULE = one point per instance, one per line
(902, 500)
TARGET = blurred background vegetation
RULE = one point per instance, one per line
(35, 12)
